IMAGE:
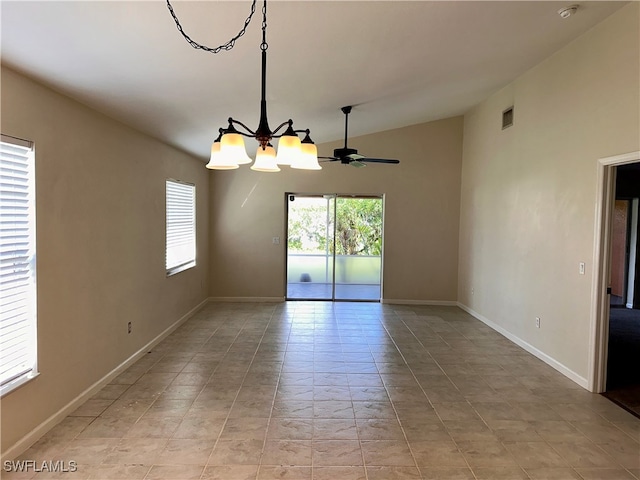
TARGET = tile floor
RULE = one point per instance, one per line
(343, 391)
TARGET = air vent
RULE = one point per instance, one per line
(507, 118)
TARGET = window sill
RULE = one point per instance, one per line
(17, 382)
(181, 268)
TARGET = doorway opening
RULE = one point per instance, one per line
(334, 247)
(616, 300)
(623, 376)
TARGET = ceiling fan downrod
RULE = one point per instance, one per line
(346, 110)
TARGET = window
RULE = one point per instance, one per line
(18, 355)
(181, 226)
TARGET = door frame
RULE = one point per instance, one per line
(335, 196)
(599, 318)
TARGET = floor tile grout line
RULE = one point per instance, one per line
(418, 383)
(504, 446)
(385, 386)
(422, 389)
(143, 413)
(466, 400)
(202, 389)
(233, 402)
(273, 400)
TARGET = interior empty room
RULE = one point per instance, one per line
(440, 312)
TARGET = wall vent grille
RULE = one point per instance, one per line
(507, 118)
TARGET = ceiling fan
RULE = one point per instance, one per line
(350, 156)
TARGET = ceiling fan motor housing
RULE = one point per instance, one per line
(343, 154)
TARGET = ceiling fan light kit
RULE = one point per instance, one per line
(228, 151)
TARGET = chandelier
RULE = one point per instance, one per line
(228, 150)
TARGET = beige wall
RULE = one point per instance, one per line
(101, 223)
(529, 192)
(422, 199)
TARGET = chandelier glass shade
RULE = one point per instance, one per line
(228, 150)
(266, 160)
(308, 158)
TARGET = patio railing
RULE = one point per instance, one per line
(318, 268)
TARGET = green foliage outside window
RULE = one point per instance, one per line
(358, 226)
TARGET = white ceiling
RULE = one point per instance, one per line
(400, 63)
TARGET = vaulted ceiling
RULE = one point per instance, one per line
(400, 63)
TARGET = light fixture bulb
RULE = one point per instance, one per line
(233, 150)
(265, 160)
(218, 161)
(308, 158)
(288, 149)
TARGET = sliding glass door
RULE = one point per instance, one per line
(334, 247)
(358, 248)
(310, 247)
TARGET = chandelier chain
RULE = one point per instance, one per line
(264, 45)
(226, 46)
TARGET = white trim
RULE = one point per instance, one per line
(622, 159)
(397, 301)
(34, 435)
(599, 317)
(566, 371)
(633, 248)
(248, 299)
(19, 381)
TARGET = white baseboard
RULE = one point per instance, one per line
(567, 372)
(34, 435)
(247, 299)
(396, 301)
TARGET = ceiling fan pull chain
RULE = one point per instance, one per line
(226, 46)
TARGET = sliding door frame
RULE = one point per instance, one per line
(335, 197)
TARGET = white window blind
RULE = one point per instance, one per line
(17, 264)
(181, 226)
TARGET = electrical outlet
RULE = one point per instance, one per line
(581, 269)
(471, 290)
(129, 327)
(537, 322)
(276, 240)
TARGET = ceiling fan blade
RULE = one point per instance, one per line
(328, 159)
(354, 156)
(357, 164)
(379, 160)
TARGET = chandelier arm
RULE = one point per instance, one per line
(274, 133)
(250, 133)
(226, 46)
